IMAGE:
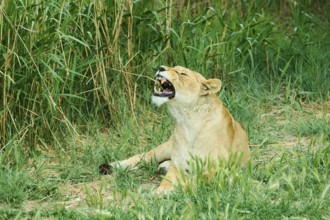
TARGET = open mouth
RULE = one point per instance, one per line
(163, 87)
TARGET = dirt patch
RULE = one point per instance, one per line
(318, 109)
(89, 196)
(84, 194)
(81, 195)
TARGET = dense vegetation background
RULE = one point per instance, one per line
(67, 66)
(65, 63)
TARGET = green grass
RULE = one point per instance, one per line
(75, 88)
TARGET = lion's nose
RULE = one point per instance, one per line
(161, 69)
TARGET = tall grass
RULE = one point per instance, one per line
(65, 63)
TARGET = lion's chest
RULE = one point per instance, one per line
(188, 142)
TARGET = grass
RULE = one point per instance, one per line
(75, 87)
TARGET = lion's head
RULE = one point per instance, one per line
(182, 86)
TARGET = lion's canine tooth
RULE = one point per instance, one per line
(162, 81)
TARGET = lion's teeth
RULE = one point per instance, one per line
(162, 81)
(157, 90)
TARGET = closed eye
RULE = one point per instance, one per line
(181, 73)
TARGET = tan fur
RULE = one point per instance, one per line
(204, 127)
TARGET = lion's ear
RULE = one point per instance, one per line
(211, 86)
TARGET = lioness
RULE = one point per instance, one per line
(204, 127)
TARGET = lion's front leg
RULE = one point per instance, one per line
(172, 178)
(160, 153)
